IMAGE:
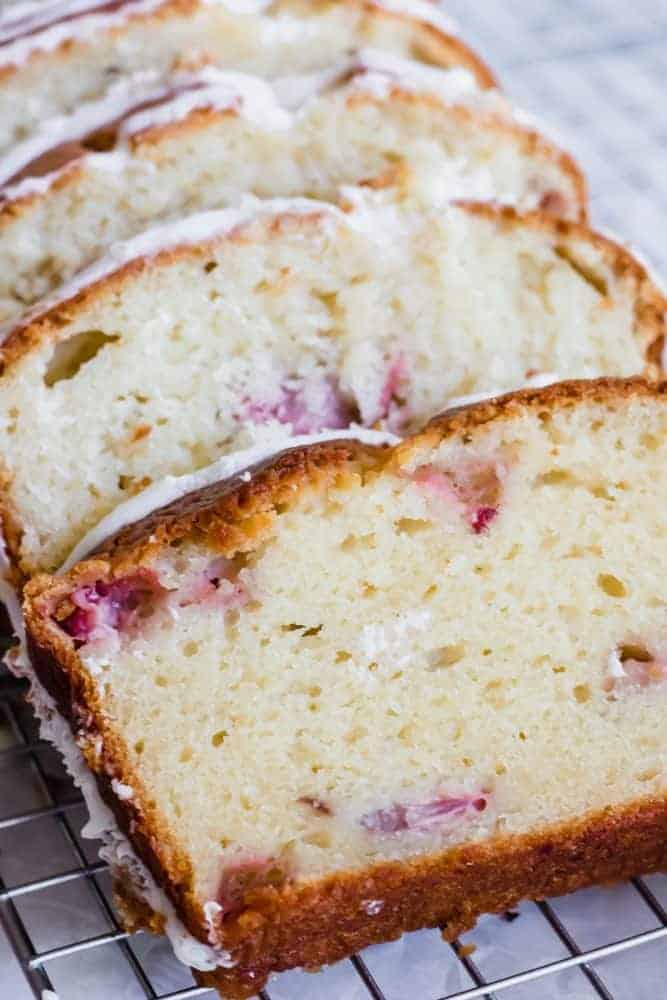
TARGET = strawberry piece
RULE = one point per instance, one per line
(473, 487)
(400, 817)
(633, 666)
(309, 406)
(218, 584)
(103, 608)
(482, 519)
(248, 871)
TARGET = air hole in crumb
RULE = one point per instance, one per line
(219, 738)
(631, 652)
(210, 265)
(600, 492)
(315, 630)
(319, 838)
(555, 477)
(71, 355)
(612, 585)
(650, 441)
(445, 656)
(342, 656)
(583, 269)
(139, 747)
(190, 648)
(582, 693)
(522, 735)
(353, 542)
(411, 525)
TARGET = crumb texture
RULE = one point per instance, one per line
(380, 117)
(286, 33)
(301, 321)
(512, 667)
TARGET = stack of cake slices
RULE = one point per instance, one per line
(327, 666)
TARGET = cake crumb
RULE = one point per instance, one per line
(467, 949)
(373, 906)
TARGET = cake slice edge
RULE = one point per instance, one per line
(294, 926)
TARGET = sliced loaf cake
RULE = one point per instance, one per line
(54, 55)
(152, 149)
(298, 317)
(482, 606)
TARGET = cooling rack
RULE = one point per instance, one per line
(596, 71)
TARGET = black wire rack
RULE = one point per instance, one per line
(596, 69)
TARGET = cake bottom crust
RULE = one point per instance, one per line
(316, 924)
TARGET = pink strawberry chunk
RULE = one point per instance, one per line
(309, 406)
(217, 585)
(247, 872)
(390, 405)
(633, 666)
(482, 519)
(417, 816)
(102, 608)
(474, 488)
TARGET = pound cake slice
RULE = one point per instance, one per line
(357, 691)
(296, 317)
(55, 55)
(151, 149)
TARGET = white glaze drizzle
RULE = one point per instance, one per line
(256, 100)
(538, 381)
(174, 487)
(50, 36)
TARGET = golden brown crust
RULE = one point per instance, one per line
(148, 140)
(325, 922)
(321, 921)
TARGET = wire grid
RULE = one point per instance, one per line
(596, 70)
